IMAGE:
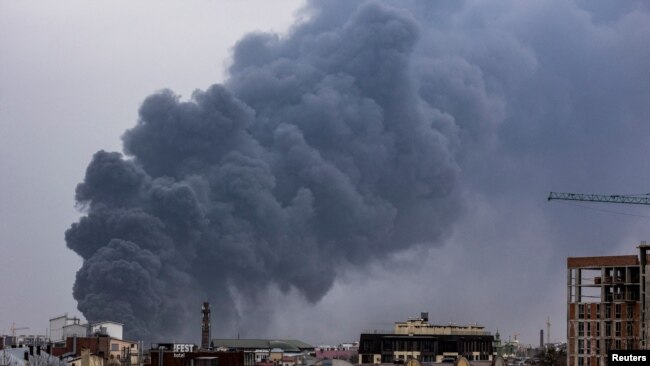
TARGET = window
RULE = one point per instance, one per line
(597, 311)
(618, 344)
(426, 346)
(588, 329)
(608, 329)
(597, 329)
(581, 311)
(618, 330)
(608, 311)
(115, 347)
(630, 311)
(628, 329)
(581, 329)
(618, 311)
(581, 346)
(387, 345)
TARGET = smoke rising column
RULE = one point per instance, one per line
(318, 153)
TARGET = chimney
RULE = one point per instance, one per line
(424, 316)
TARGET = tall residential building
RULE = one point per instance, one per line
(606, 306)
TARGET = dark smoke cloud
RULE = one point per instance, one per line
(323, 150)
(370, 131)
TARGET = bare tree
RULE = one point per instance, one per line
(46, 360)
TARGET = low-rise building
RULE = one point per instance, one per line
(107, 327)
(59, 323)
(185, 354)
(253, 349)
(107, 348)
(28, 355)
(86, 359)
(418, 339)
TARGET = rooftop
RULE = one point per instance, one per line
(287, 345)
(603, 261)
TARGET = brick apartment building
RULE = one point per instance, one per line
(606, 306)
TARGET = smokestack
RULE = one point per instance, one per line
(205, 326)
(424, 316)
(541, 338)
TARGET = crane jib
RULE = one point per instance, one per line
(633, 200)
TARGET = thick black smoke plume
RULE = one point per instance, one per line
(318, 153)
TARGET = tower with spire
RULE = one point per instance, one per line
(205, 326)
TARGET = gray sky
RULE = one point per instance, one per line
(541, 96)
(72, 78)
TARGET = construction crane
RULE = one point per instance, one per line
(638, 199)
(13, 329)
(642, 199)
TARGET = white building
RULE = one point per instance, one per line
(262, 355)
(59, 323)
(110, 328)
(75, 330)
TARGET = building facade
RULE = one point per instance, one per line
(417, 339)
(606, 306)
(109, 328)
(263, 350)
(59, 324)
(112, 350)
(177, 354)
